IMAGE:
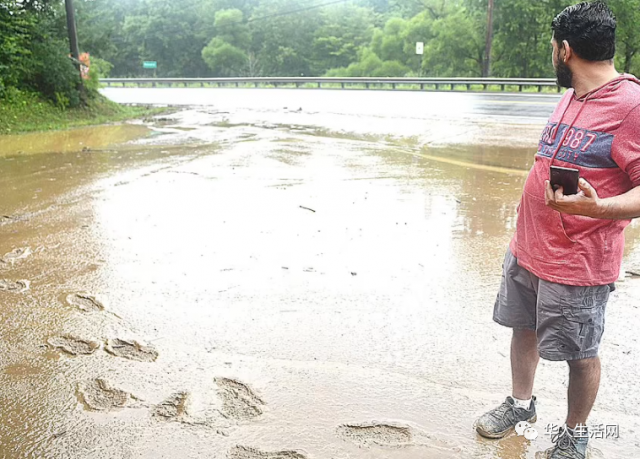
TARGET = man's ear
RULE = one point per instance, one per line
(568, 52)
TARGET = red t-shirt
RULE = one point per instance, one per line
(603, 142)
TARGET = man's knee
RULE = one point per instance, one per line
(584, 364)
(524, 334)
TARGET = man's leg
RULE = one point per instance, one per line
(524, 361)
(515, 308)
(584, 381)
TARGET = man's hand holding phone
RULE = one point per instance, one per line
(585, 202)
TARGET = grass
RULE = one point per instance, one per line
(27, 112)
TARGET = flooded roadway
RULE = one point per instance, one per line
(228, 285)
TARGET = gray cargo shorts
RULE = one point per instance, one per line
(568, 320)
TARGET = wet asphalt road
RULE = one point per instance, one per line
(521, 107)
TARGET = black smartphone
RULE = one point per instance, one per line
(565, 177)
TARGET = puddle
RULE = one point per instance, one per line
(21, 370)
(131, 350)
(78, 139)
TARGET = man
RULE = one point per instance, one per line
(567, 250)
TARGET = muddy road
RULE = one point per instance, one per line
(212, 284)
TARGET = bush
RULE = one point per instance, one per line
(52, 73)
(98, 68)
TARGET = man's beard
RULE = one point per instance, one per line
(564, 75)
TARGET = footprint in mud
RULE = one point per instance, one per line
(243, 452)
(18, 286)
(15, 255)
(98, 395)
(376, 434)
(86, 303)
(131, 350)
(73, 346)
(172, 408)
(239, 401)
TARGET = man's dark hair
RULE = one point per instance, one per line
(590, 29)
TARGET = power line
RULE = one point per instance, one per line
(285, 13)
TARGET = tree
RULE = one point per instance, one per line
(224, 59)
(628, 35)
(457, 46)
(282, 35)
(230, 27)
(343, 32)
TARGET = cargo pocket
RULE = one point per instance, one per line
(583, 322)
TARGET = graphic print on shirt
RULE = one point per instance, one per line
(581, 147)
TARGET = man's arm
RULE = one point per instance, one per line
(587, 203)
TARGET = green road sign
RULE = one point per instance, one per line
(149, 65)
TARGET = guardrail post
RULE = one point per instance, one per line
(319, 85)
(123, 84)
(237, 85)
(255, 84)
(539, 88)
(421, 86)
(502, 87)
(393, 86)
(367, 85)
(342, 85)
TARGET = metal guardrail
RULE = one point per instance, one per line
(343, 83)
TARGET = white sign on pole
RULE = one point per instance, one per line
(419, 48)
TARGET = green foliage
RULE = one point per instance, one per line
(99, 68)
(628, 34)
(199, 38)
(53, 74)
(23, 111)
(229, 26)
(224, 59)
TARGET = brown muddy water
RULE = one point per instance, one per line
(248, 291)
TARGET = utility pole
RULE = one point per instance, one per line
(73, 34)
(486, 64)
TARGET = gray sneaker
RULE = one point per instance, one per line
(500, 421)
(567, 446)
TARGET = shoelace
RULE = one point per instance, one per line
(501, 412)
(565, 443)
